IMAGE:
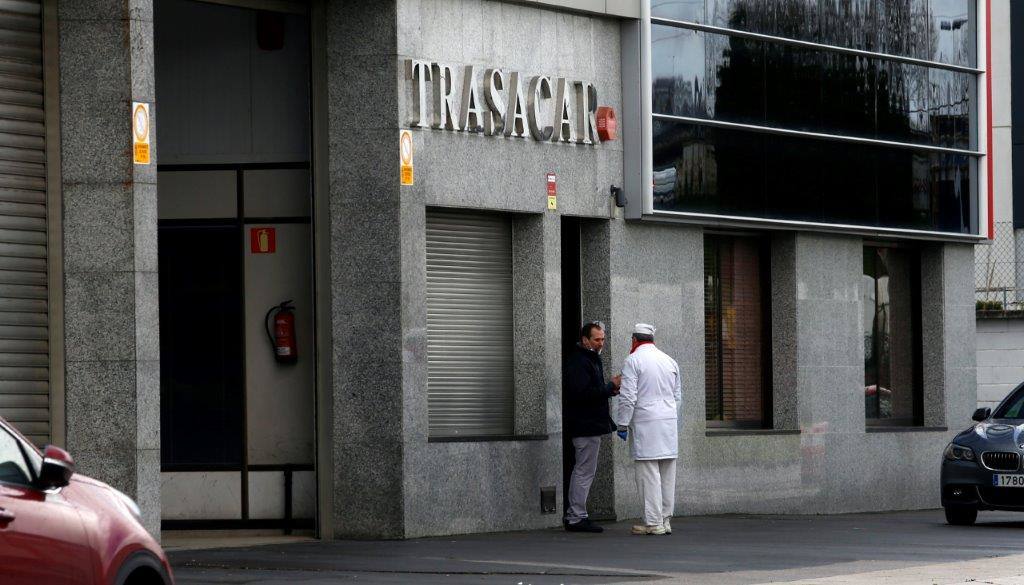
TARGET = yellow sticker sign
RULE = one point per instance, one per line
(405, 157)
(140, 133)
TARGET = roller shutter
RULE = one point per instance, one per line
(469, 324)
(24, 332)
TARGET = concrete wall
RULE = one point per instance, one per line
(1000, 359)
(110, 262)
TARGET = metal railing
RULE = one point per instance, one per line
(999, 273)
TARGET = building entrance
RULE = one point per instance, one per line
(235, 207)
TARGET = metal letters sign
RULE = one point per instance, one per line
(502, 103)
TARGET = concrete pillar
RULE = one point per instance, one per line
(110, 262)
(366, 268)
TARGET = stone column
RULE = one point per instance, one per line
(366, 267)
(110, 262)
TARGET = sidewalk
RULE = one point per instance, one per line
(891, 549)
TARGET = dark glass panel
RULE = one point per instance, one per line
(793, 179)
(950, 102)
(938, 30)
(730, 172)
(903, 186)
(704, 75)
(748, 15)
(848, 23)
(688, 10)
(921, 105)
(848, 183)
(950, 188)
(848, 94)
(902, 103)
(904, 28)
(953, 26)
(793, 87)
(791, 19)
(708, 170)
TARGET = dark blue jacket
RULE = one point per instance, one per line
(586, 395)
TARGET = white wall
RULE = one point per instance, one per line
(1000, 358)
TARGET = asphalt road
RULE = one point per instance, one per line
(891, 548)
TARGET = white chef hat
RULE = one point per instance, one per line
(643, 329)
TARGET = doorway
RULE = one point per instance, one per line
(235, 205)
(572, 321)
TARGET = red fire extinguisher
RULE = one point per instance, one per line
(282, 339)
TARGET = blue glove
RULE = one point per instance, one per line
(622, 434)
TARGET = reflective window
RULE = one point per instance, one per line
(703, 169)
(709, 170)
(890, 297)
(732, 79)
(933, 30)
(736, 331)
(770, 85)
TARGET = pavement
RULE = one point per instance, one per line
(887, 548)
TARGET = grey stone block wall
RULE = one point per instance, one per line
(832, 464)
(369, 289)
(657, 277)
(110, 260)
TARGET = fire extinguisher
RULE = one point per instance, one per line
(282, 339)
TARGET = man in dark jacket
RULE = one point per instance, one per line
(586, 419)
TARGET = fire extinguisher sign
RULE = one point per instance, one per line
(263, 240)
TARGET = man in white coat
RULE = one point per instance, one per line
(647, 408)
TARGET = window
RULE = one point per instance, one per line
(469, 324)
(13, 467)
(770, 129)
(891, 300)
(1013, 406)
(737, 366)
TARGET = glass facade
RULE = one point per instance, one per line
(824, 135)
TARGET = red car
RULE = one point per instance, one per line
(56, 527)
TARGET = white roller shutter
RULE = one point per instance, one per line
(469, 324)
(24, 334)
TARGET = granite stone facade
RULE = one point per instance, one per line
(110, 266)
(388, 478)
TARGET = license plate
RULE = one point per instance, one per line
(1003, 480)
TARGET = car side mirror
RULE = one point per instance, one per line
(981, 414)
(58, 467)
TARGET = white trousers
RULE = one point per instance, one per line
(656, 483)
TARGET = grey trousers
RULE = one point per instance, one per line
(582, 476)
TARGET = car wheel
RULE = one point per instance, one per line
(961, 515)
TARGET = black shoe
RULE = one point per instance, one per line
(584, 525)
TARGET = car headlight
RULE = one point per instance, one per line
(129, 504)
(956, 452)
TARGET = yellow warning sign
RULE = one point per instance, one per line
(140, 133)
(552, 202)
(405, 157)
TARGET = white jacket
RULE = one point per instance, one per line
(648, 402)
